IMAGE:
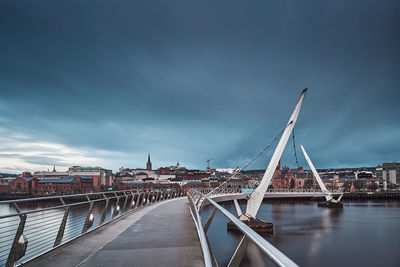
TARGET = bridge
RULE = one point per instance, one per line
(124, 228)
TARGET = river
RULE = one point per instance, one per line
(362, 234)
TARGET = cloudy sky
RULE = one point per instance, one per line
(106, 82)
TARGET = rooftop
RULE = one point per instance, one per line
(88, 168)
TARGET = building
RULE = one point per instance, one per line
(101, 177)
(5, 185)
(226, 170)
(50, 174)
(193, 185)
(141, 175)
(193, 175)
(23, 185)
(144, 186)
(389, 171)
(65, 185)
(171, 169)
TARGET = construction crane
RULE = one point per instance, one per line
(208, 164)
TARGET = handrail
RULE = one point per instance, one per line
(272, 252)
(202, 235)
(57, 197)
(37, 228)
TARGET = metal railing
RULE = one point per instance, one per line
(32, 231)
(272, 252)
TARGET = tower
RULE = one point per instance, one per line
(148, 164)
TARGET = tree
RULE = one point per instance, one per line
(292, 184)
(347, 186)
(308, 184)
(373, 186)
(271, 187)
(359, 185)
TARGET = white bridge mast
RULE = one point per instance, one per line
(256, 198)
(321, 184)
(327, 193)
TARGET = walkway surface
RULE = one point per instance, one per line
(159, 235)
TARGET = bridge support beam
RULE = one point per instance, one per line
(210, 218)
(239, 252)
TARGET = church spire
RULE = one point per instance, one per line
(148, 165)
(54, 168)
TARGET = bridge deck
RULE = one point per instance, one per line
(163, 236)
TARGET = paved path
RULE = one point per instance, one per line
(164, 235)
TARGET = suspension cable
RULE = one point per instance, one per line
(294, 147)
(238, 170)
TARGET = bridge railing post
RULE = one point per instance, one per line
(89, 217)
(144, 198)
(103, 216)
(150, 197)
(126, 201)
(61, 229)
(116, 208)
(132, 204)
(12, 256)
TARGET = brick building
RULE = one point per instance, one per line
(23, 185)
(65, 185)
(101, 177)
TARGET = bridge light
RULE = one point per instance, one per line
(117, 208)
(133, 203)
(90, 221)
(20, 249)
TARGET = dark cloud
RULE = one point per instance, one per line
(191, 80)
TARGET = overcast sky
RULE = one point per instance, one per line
(106, 82)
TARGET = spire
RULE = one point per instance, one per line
(148, 165)
(54, 168)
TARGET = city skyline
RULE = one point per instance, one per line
(189, 81)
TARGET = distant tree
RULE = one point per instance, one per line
(373, 186)
(271, 187)
(308, 184)
(347, 186)
(391, 186)
(359, 185)
(292, 184)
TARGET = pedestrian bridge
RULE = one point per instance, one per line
(124, 228)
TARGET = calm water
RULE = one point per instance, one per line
(362, 234)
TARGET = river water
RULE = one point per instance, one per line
(362, 234)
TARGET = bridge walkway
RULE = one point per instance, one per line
(163, 235)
